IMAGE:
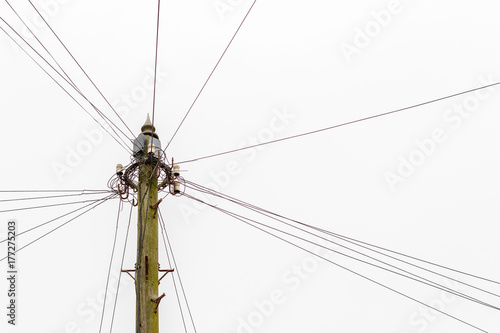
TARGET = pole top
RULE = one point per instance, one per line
(148, 127)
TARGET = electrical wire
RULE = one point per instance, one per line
(54, 196)
(341, 266)
(50, 221)
(408, 256)
(343, 124)
(95, 86)
(59, 84)
(177, 272)
(50, 191)
(272, 216)
(209, 76)
(65, 223)
(110, 264)
(156, 62)
(68, 80)
(163, 232)
(411, 276)
(121, 268)
(41, 44)
(99, 112)
(47, 206)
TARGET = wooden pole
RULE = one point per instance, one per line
(147, 250)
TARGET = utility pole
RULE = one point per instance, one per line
(147, 175)
(146, 276)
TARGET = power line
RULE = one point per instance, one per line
(121, 268)
(95, 86)
(408, 256)
(343, 124)
(156, 62)
(70, 82)
(67, 78)
(353, 241)
(209, 76)
(59, 84)
(271, 215)
(54, 219)
(99, 112)
(342, 267)
(50, 191)
(177, 271)
(163, 232)
(411, 276)
(110, 264)
(60, 226)
(40, 42)
(47, 206)
(54, 196)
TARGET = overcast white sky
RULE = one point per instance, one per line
(424, 181)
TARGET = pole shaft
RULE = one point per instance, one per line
(147, 251)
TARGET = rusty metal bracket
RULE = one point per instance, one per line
(128, 272)
(166, 272)
(157, 301)
(155, 207)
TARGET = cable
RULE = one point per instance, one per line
(121, 268)
(54, 196)
(267, 214)
(407, 256)
(95, 86)
(178, 273)
(213, 70)
(110, 263)
(345, 268)
(64, 89)
(46, 206)
(417, 278)
(103, 116)
(343, 124)
(40, 42)
(46, 234)
(50, 191)
(163, 232)
(106, 119)
(156, 61)
(50, 221)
